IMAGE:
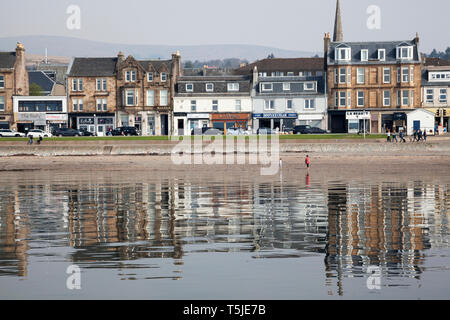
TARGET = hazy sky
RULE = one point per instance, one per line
(286, 24)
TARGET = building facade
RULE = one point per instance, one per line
(91, 94)
(145, 91)
(287, 92)
(219, 101)
(104, 93)
(436, 89)
(40, 112)
(13, 82)
(213, 99)
(381, 78)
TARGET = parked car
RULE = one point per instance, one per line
(67, 132)
(124, 131)
(10, 133)
(236, 132)
(36, 133)
(87, 133)
(206, 131)
(265, 131)
(314, 130)
(301, 129)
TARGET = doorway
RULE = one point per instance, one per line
(164, 125)
(180, 127)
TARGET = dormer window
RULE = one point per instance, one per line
(343, 54)
(364, 55)
(266, 86)
(209, 87)
(405, 53)
(163, 77)
(150, 77)
(309, 86)
(233, 86)
(189, 87)
(382, 54)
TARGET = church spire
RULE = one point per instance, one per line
(338, 32)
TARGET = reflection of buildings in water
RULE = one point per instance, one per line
(14, 231)
(124, 222)
(290, 217)
(385, 225)
(213, 212)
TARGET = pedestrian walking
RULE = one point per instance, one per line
(402, 136)
(388, 135)
(307, 161)
(394, 136)
(419, 135)
(39, 140)
(30, 142)
(415, 135)
(424, 135)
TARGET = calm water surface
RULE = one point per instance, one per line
(145, 237)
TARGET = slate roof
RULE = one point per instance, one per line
(283, 65)
(42, 80)
(93, 67)
(436, 62)
(220, 85)
(157, 64)
(7, 60)
(372, 47)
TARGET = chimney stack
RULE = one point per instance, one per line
(20, 72)
(120, 56)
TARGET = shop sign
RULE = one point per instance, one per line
(86, 120)
(229, 116)
(56, 117)
(198, 116)
(357, 115)
(31, 117)
(275, 115)
(399, 116)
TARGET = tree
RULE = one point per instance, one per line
(188, 64)
(36, 90)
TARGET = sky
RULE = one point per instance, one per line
(285, 24)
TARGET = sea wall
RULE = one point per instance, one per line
(167, 149)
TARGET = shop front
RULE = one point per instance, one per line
(5, 121)
(224, 121)
(30, 120)
(55, 121)
(313, 120)
(197, 120)
(275, 121)
(147, 123)
(358, 121)
(99, 124)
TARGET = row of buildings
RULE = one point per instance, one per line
(356, 84)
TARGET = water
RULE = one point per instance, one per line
(144, 236)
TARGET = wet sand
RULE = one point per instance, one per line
(323, 167)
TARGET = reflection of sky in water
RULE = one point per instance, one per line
(290, 240)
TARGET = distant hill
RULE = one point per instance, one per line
(70, 47)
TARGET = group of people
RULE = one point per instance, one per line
(418, 135)
(401, 135)
(30, 141)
